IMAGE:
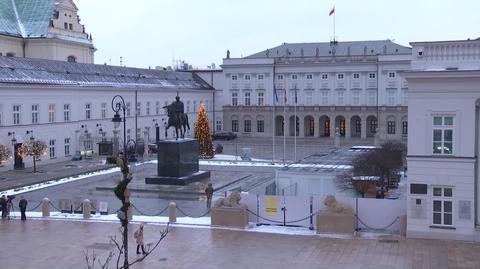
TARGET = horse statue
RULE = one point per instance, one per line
(177, 120)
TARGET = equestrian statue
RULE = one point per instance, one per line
(177, 118)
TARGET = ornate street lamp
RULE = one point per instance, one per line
(121, 190)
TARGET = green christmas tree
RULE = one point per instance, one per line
(202, 133)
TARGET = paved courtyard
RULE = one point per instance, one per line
(59, 244)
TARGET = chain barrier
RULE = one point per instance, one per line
(150, 215)
(377, 229)
(185, 214)
(282, 222)
(56, 208)
(35, 207)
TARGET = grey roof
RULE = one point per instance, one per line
(353, 48)
(26, 18)
(48, 72)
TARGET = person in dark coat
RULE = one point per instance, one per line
(3, 206)
(209, 193)
(22, 204)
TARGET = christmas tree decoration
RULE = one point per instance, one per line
(5, 154)
(33, 148)
(202, 133)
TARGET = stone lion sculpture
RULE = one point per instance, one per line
(335, 207)
(231, 201)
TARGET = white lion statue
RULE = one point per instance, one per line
(231, 201)
(335, 207)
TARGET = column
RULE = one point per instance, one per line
(332, 126)
(317, 126)
(363, 130)
(347, 128)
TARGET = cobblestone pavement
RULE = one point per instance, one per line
(59, 244)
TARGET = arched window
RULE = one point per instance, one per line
(71, 59)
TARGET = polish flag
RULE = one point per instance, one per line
(332, 11)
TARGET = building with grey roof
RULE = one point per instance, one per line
(45, 29)
(314, 89)
(69, 105)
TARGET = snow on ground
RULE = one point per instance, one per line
(201, 223)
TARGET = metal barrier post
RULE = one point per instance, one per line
(45, 207)
(311, 213)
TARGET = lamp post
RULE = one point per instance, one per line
(121, 191)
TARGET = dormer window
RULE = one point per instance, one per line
(71, 59)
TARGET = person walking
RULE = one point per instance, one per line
(3, 206)
(22, 204)
(139, 237)
(209, 193)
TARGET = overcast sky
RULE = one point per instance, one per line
(153, 32)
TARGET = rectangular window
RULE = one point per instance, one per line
(51, 148)
(294, 77)
(234, 98)
(188, 106)
(194, 106)
(67, 146)
(260, 76)
(51, 113)
(128, 108)
(405, 97)
(157, 108)
(404, 127)
(247, 77)
(293, 96)
(247, 98)
(16, 114)
(309, 76)
(372, 98)
(139, 108)
(234, 77)
(324, 76)
(260, 98)
(65, 25)
(340, 76)
(70, 26)
(235, 126)
(442, 206)
(147, 109)
(34, 114)
(260, 126)
(247, 128)
(308, 98)
(218, 126)
(355, 98)
(391, 74)
(324, 98)
(372, 75)
(280, 77)
(104, 111)
(356, 76)
(66, 112)
(373, 126)
(88, 111)
(443, 134)
(391, 97)
(391, 127)
(340, 98)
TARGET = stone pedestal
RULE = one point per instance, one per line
(177, 163)
(230, 216)
(337, 223)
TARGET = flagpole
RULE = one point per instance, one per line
(284, 122)
(295, 137)
(334, 39)
(273, 114)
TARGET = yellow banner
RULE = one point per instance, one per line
(271, 206)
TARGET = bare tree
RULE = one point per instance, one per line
(34, 148)
(377, 165)
(92, 260)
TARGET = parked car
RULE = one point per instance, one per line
(224, 136)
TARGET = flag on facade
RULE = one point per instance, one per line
(275, 93)
(285, 95)
(332, 11)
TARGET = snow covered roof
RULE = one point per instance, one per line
(353, 48)
(48, 72)
(25, 18)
